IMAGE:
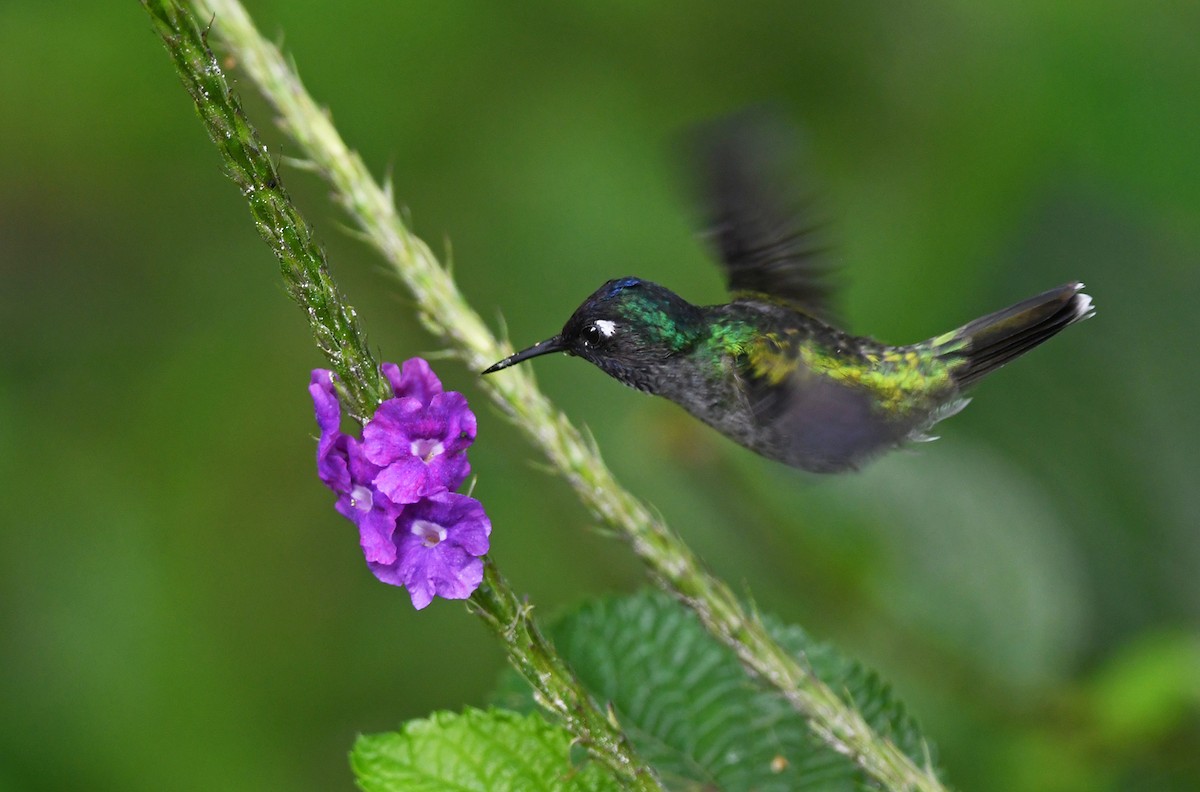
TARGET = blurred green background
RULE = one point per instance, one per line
(182, 608)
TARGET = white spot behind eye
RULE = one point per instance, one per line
(606, 327)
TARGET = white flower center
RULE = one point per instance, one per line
(427, 449)
(430, 534)
(361, 498)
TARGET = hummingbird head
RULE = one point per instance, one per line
(628, 328)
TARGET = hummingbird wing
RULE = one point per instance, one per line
(761, 226)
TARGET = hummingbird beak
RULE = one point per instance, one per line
(555, 344)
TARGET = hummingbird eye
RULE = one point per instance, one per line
(598, 330)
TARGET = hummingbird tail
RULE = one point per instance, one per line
(984, 345)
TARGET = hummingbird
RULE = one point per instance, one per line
(770, 369)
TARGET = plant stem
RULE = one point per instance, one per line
(554, 686)
(446, 314)
(303, 265)
(301, 260)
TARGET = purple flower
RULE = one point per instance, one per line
(438, 542)
(420, 448)
(393, 483)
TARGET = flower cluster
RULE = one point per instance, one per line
(396, 483)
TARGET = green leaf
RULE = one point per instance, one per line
(691, 711)
(489, 751)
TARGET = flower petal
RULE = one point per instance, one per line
(388, 436)
(405, 480)
(325, 403)
(418, 381)
(375, 532)
(415, 379)
(459, 422)
(332, 448)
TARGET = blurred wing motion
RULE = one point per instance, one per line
(758, 222)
